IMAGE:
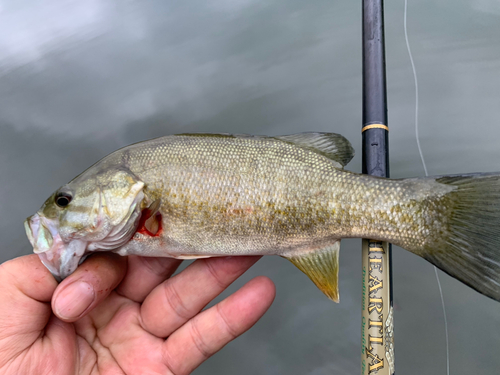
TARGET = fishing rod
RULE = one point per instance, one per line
(377, 339)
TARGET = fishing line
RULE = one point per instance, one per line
(425, 170)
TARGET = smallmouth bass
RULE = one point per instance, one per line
(204, 195)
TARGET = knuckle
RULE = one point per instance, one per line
(198, 340)
(215, 275)
(155, 266)
(231, 331)
(168, 361)
(175, 302)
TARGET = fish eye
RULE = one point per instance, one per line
(63, 199)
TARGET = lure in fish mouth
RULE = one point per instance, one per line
(95, 212)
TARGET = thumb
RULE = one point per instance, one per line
(27, 287)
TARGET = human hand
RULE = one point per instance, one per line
(118, 315)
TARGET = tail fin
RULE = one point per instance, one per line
(471, 252)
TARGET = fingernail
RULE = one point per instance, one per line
(74, 300)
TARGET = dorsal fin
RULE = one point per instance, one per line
(331, 145)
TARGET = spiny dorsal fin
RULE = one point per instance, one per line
(332, 145)
(321, 265)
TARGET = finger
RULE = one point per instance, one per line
(178, 299)
(92, 282)
(212, 329)
(144, 274)
(27, 287)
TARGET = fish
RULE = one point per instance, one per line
(191, 196)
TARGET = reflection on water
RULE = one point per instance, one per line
(80, 79)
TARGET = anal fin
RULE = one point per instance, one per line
(321, 265)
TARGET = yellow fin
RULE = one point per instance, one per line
(321, 265)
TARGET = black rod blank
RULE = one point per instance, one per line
(375, 140)
(377, 352)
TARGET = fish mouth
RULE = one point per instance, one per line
(62, 263)
(41, 233)
(60, 258)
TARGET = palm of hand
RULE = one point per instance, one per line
(139, 320)
(107, 348)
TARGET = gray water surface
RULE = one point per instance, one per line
(78, 79)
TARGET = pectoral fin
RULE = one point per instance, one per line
(151, 219)
(153, 223)
(321, 265)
